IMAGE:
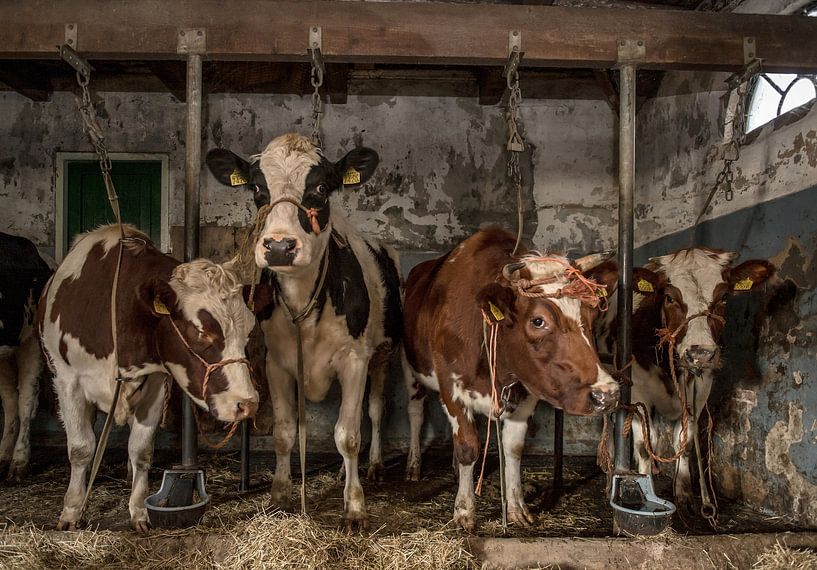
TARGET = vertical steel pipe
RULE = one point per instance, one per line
(244, 478)
(558, 450)
(192, 201)
(626, 182)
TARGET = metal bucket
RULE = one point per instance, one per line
(181, 500)
(636, 507)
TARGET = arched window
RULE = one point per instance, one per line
(774, 94)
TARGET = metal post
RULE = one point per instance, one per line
(192, 173)
(244, 478)
(558, 450)
(626, 181)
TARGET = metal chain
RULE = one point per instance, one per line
(316, 78)
(516, 144)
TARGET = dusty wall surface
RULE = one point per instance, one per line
(765, 398)
(442, 176)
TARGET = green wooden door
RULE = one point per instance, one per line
(138, 184)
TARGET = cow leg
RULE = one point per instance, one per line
(29, 366)
(466, 451)
(282, 397)
(514, 429)
(143, 424)
(347, 438)
(9, 397)
(416, 404)
(378, 376)
(641, 456)
(682, 483)
(77, 416)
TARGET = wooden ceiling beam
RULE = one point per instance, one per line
(408, 32)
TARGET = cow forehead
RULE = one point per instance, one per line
(286, 163)
(553, 267)
(695, 272)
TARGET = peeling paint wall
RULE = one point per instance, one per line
(765, 398)
(442, 176)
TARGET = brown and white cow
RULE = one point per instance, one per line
(356, 323)
(545, 352)
(23, 274)
(171, 319)
(685, 291)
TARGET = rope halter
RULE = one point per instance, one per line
(578, 286)
(311, 213)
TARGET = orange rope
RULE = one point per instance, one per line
(490, 348)
(578, 287)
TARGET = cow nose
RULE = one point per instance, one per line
(697, 355)
(280, 252)
(245, 409)
(603, 400)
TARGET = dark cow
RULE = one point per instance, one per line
(172, 319)
(544, 350)
(23, 274)
(686, 292)
(356, 322)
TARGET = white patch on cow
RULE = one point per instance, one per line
(430, 381)
(605, 382)
(470, 399)
(285, 163)
(455, 424)
(696, 273)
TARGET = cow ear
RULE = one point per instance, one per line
(357, 167)
(497, 303)
(605, 274)
(750, 274)
(646, 281)
(157, 297)
(263, 297)
(228, 168)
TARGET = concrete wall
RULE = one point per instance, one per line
(442, 176)
(765, 398)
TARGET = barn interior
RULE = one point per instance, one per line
(422, 83)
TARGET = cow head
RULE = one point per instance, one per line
(296, 179)
(203, 317)
(546, 342)
(692, 282)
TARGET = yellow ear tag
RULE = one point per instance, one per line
(601, 291)
(352, 176)
(496, 312)
(237, 179)
(159, 308)
(744, 284)
(645, 286)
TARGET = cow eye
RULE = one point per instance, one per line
(320, 189)
(538, 323)
(669, 300)
(255, 188)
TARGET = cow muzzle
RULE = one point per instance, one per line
(281, 252)
(604, 399)
(245, 409)
(700, 357)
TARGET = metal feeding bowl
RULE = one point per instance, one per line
(181, 500)
(636, 508)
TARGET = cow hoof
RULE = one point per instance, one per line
(355, 521)
(376, 472)
(466, 519)
(141, 526)
(17, 472)
(413, 473)
(68, 525)
(521, 517)
(281, 494)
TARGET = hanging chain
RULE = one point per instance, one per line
(516, 144)
(316, 78)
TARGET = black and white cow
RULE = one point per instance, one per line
(23, 274)
(356, 323)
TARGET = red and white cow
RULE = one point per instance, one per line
(356, 323)
(172, 318)
(544, 350)
(685, 291)
(23, 274)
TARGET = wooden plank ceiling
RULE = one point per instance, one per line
(36, 76)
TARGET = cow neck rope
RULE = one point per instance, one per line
(208, 370)
(97, 138)
(297, 319)
(490, 335)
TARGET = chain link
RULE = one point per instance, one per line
(515, 146)
(316, 78)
